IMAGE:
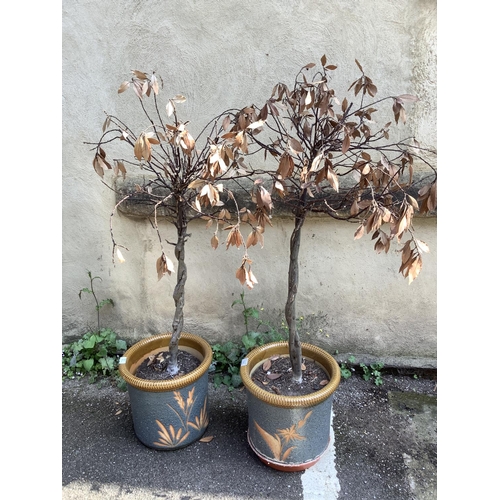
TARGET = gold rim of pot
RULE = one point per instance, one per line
(260, 354)
(139, 351)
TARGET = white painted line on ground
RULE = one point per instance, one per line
(320, 481)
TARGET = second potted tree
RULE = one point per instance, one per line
(330, 160)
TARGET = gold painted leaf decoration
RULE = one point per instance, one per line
(272, 442)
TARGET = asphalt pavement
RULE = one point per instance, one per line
(383, 446)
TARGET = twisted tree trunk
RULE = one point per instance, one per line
(178, 295)
(294, 346)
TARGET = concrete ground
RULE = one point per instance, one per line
(383, 447)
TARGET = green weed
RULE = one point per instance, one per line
(373, 372)
(97, 353)
(227, 357)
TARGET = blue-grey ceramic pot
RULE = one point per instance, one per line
(168, 414)
(289, 433)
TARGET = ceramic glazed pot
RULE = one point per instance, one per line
(289, 433)
(168, 414)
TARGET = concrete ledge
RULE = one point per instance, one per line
(140, 205)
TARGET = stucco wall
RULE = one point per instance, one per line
(221, 55)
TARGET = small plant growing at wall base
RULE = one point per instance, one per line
(346, 369)
(228, 356)
(254, 337)
(96, 354)
(98, 304)
(226, 364)
(373, 372)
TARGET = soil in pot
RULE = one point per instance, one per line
(154, 367)
(275, 376)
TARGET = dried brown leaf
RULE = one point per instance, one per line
(106, 123)
(413, 202)
(154, 84)
(354, 208)
(179, 98)
(359, 232)
(414, 269)
(370, 223)
(138, 88)
(422, 246)
(366, 169)
(97, 167)
(407, 98)
(123, 87)
(197, 184)
(241, 274)
(266, 365)
(285, 166)
(146, 147)
(164, 266)
(346, 143)
(309, 98)
(263, 198)
(119, 256)
(295, 145)
(139, 74)
(256, 124)
(138, 148)
(170, 108)
(316, 162)
(226, 123)
(358, 86)
(371, 89)
(234, 238)
(120, 168)
(402, 115)
(406, 253)
(214, 242)
(379, 246)
(251, 279)
(206, 439)
(187, 142)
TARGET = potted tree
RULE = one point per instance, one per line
(332, 159)
(183, 179)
